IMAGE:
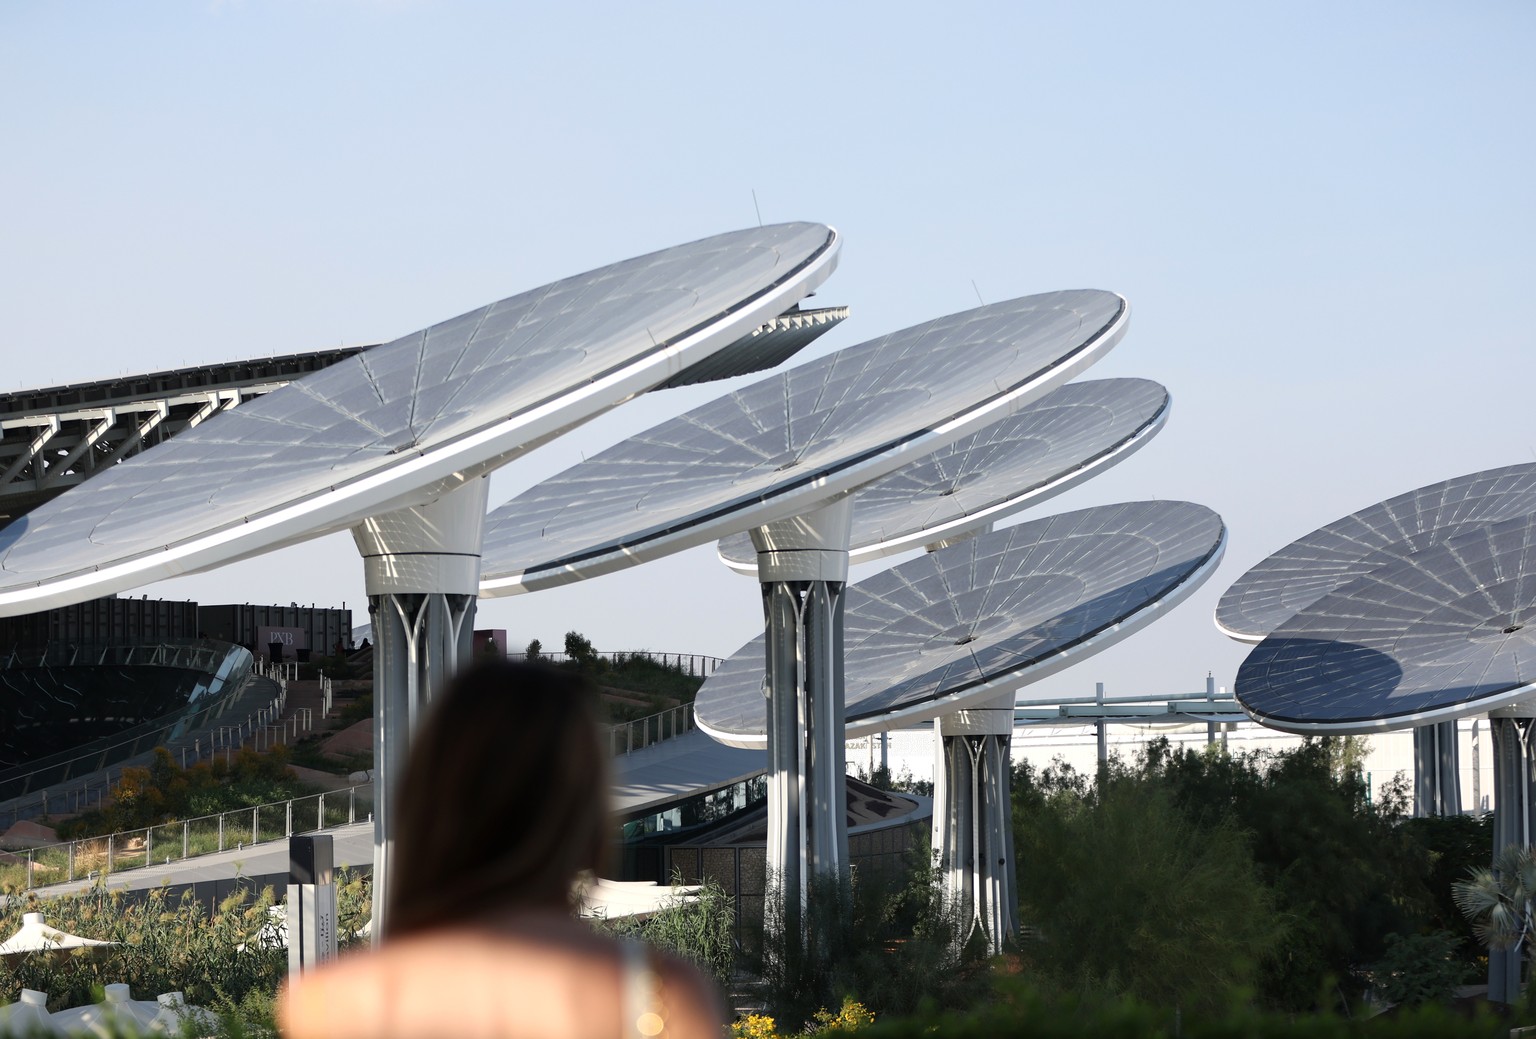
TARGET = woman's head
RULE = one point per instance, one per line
(504, 797)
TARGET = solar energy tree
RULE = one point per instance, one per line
(779, 459)
(394, 444)
(1311, 567)
(1415, 612)
(955, 634)
(1062, 439)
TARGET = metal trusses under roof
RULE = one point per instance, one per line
(55, 438)
(767, 346)
(259, 371)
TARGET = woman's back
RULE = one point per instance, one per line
(533, 977)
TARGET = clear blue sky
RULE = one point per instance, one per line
(1322, 214)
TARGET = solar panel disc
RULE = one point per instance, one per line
(1434, 635)
(789, 443)
(407, 421)
(1070, 434)
(1330, 557)
(954, 628)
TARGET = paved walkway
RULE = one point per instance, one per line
(353, 847)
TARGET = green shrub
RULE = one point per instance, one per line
(893, 943)
(700, 930)
(1419, 968)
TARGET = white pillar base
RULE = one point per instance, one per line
(422, 566)
(973, 818)
(803, 570)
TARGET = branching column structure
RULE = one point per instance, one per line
(1436, 770)
(1514, 741)
(803, 568)
(972, 821)
(422, 567)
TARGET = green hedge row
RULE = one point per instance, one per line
(1029, 1015)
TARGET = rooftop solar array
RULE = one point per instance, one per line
(1310, 568)
(1061, 439)
(1428, 636)
(793, 441)
(954, 628)
(408, 420)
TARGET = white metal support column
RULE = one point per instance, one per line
(972, 820)
(422, 566)
(1513, 729)
(803, 568)
(1436, 770)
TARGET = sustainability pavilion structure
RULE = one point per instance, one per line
(1070, 434)
(952, 635)
(1415, 612)
(779, 459)
(394, 444)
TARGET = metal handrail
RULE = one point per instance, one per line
(113, 848)
(700, 665)
(622, 737)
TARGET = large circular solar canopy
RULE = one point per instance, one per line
(791, 442)
(954, 628)
(1311, 567)
(1060, 440)
(406, 421)
(1437, 634)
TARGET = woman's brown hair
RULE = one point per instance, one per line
(504, 797)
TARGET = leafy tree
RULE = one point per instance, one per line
(534, 651)
(579, 648)
(1454, 845)
(1123, 892)
(163, 791)
(1345, 872)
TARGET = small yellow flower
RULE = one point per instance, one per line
(754, 1026)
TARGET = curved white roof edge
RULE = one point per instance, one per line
(1029, 498)
(1009, 682)
(426, 473)
(1246, 637)
(830, 485)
